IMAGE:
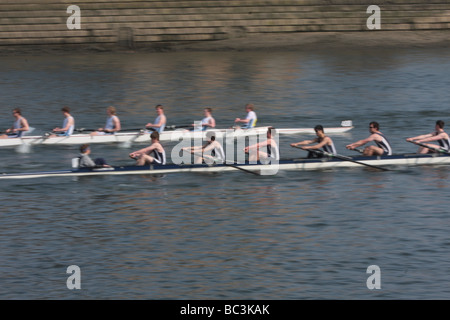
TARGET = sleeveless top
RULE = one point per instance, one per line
(273, 152)
(218, 153)
(444, 143)
(384, 144)
(110, 123)
(161, 128)
(17, 125)
(329, 149)
(159, 157)
(205, 121)
(71, 128)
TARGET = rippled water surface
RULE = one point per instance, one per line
(296, 235)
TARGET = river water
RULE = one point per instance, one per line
(295, 235)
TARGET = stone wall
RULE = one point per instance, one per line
(139, 23)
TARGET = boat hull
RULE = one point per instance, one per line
(144, 137)
(297, 164)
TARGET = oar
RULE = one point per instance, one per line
(338, 156)
(92, 130)
(440, 150)
(228, 164)
(173, 127)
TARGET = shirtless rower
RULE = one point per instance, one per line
(68, 124)
(160, 122)
(322, 141)
(19, 127)
(439, 136)
(211, 151)
(158, 155)
(270, 145)
(382, 147)
(112, 123)
(250, 119)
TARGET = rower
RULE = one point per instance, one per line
(250, 119)
(19, 127)
(211, 151)
(86, 161)
(158, 155)
(322, 141)
(112, 123)
(271, 152)
(382, 147)
(439, 135)
(68, 124)
(208, 122)
(160, 121)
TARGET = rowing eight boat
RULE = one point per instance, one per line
(143, 136)
(295, 164)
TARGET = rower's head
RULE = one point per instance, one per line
(270, 132)
(211, 136)
(85, 149)
(65, 110)
(319, 130)
(374, 126)
(249, 107)
(159, 109)
(17, 112)
(111, 111)
(154, 136)
(208, 111)
(440, 124)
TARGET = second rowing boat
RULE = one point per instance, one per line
(142, 136)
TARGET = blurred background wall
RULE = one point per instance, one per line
(139, 23)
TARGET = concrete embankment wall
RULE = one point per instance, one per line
(139, 23)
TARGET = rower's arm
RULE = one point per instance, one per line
(25, 126)
(304, 142)
(431, 137)
(423, 136)
(360, 142)
(145, 150)
(319, 145)
(117, 126)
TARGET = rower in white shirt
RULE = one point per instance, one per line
(250, 119)
(160, 122)
(68, 124)
(19, 127)
(208, 122)
(112, 123)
